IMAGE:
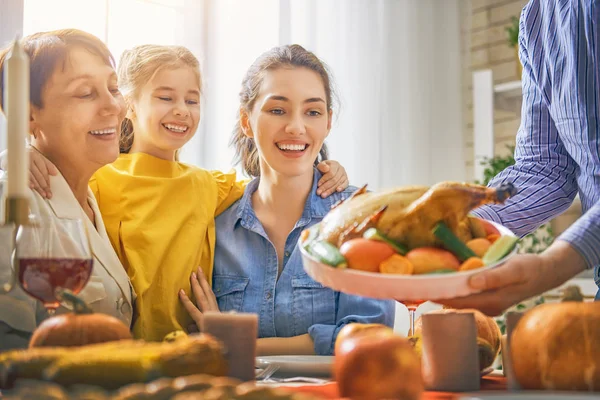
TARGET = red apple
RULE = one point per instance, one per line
(356, 329)
(378, 367)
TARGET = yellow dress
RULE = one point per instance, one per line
(160, 218)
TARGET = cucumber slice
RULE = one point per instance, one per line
(452, 243)
(499, 249)
(328, 254)
(374, 234)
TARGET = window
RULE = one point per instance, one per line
(41, 15)
(121, 24)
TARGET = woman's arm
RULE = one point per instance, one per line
(351, 309)
(297, 345)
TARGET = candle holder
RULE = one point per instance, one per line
(16, 215)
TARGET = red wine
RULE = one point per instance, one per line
(40, 277)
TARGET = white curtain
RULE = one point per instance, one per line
(397, 69)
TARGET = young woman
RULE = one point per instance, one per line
(285, 116)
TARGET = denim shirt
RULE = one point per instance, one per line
(245, 277)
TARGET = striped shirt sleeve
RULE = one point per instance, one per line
(544, 172)
(584, 236)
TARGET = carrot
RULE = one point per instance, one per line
(479, 246)
(471, 263)
(493, 237)
(396, 264)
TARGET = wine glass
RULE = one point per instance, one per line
(52, 254)
(411, 305)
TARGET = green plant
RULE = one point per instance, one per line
(495, 165)
(513, 32)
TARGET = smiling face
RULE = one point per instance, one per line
(289, 121)
(77, 126)
(166, 112)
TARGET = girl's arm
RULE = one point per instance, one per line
(334, 179)
(40, 170)
(230, 189)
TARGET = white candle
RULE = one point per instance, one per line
(16, 108)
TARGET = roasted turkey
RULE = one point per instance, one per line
(409, 214)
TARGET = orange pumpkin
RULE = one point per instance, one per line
(488, 335)
(79, 328)
(557, 347)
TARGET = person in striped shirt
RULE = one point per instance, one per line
(557, 154)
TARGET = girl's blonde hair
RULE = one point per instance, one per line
(138, 66)
(288, 56)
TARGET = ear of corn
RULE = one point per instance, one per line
(115, 364)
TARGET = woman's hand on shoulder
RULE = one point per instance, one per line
(204, 296)
(40, 170)
(334, 178)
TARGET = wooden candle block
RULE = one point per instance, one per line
(238, 332)
(450, 353)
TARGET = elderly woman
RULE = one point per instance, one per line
(76, 112)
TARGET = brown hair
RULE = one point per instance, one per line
(138, 66)
(46, 50)
(288, 56)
